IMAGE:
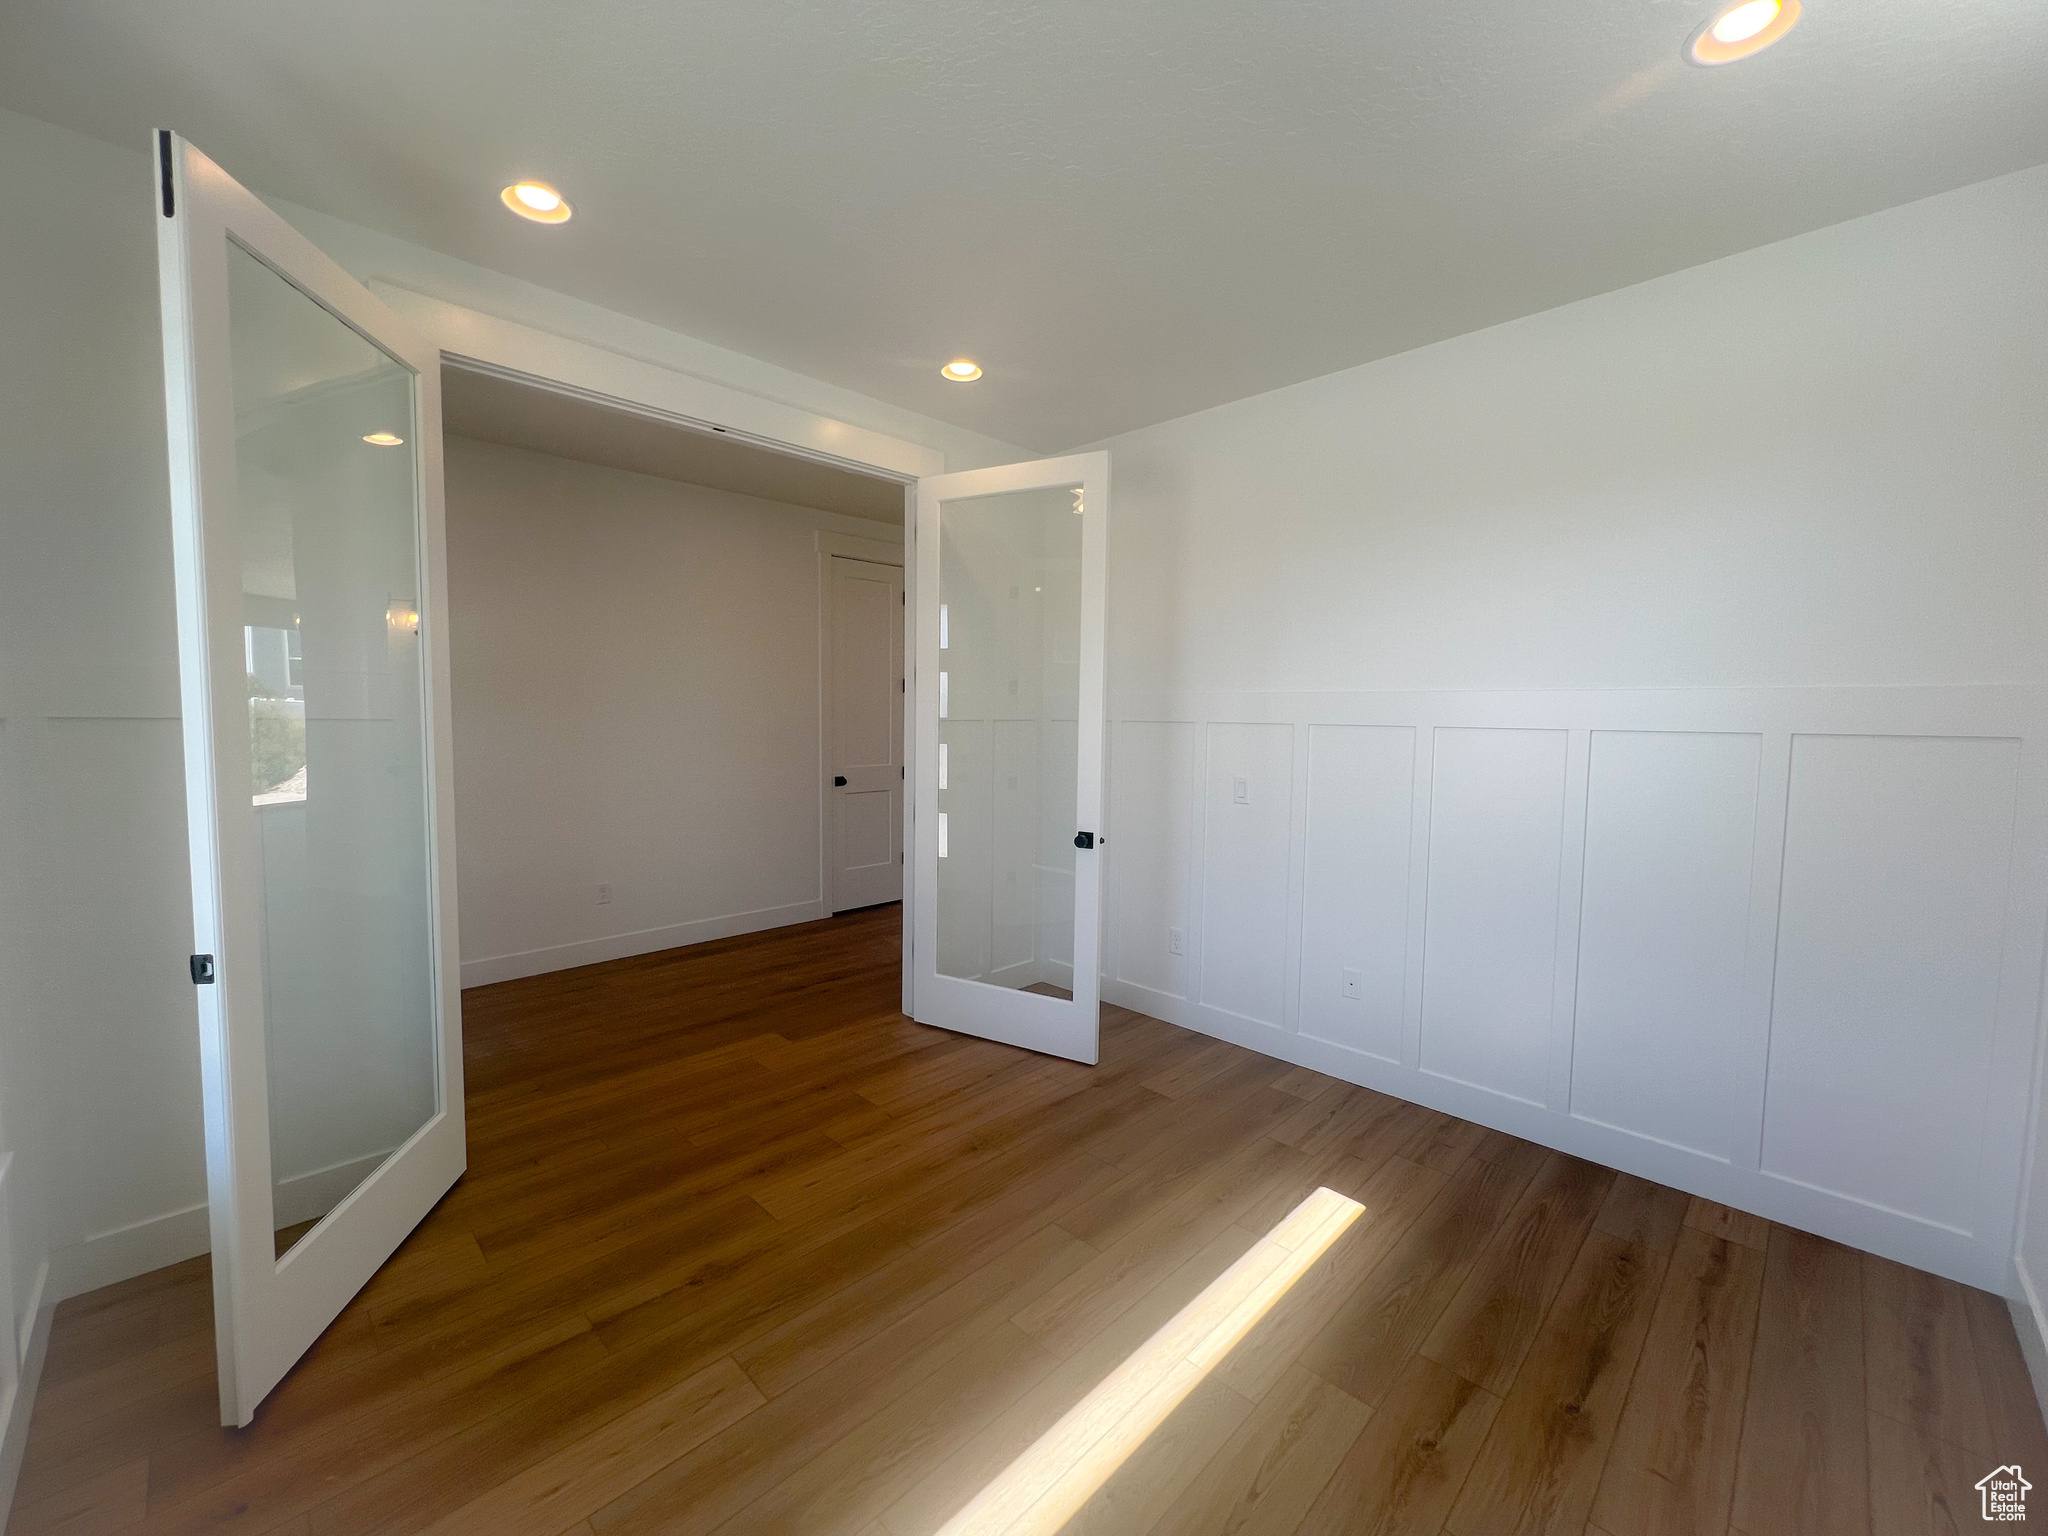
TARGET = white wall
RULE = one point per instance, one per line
(1645, 700)
(636, 704)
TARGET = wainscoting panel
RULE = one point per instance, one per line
(1890, 938)
(1247, 815)
(1664, 918)
(1354, 920)
(1496, 842)
(1151, 810)
(1779, 947)
(117, 891)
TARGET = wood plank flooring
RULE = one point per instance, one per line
(741, 1249)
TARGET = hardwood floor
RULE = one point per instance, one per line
(741, 1249)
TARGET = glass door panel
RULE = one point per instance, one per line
(327, 522)
(1009, 667)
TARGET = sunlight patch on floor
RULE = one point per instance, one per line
(1040, 1491)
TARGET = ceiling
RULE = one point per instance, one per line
(1125, 209)
(500, 410)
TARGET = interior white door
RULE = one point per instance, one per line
(305, 457)
(866, 793)
(1010, 585)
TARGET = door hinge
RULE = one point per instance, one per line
(202, 970)
(903, 685)
(902, 773)
(163, 156)
(839, 781)
(1084, 839)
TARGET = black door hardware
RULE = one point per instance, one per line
(202, 970)
(1084, 839)
(839, 781)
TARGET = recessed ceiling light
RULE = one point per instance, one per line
(383, 439)
(536, 200)
(962, 370)
(1741, 30)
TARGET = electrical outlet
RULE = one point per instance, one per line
(1354, 984)
(1241, 791)
(1176, 941)
(604, 894)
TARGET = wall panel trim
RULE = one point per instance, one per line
(1977, 1251)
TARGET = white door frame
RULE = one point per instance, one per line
(268, 1310)
(874, 552)
(504, 350)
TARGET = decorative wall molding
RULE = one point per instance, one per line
(1778, 947)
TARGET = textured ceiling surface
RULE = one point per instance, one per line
(1125, 209)
(500, 410)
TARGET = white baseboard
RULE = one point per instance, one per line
(21, 1402)
(2031, 1324)
(308, 1196)
(564, 957)
(1023, 974)
(106, 1258)
(1887, 1233)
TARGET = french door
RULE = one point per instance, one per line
(305, 457)
(1010, 585)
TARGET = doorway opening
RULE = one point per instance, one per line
(865, 684)
(679, 681)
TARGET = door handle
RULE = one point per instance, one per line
(1084, 839)
(839, 781)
